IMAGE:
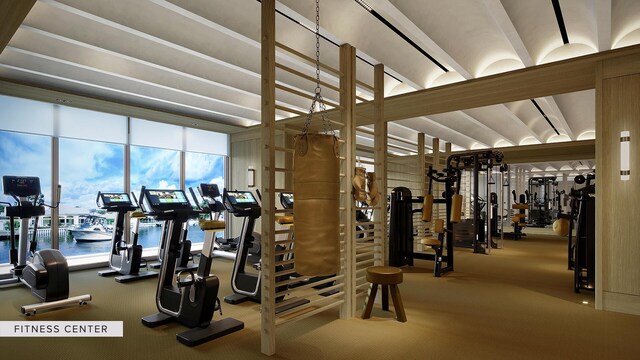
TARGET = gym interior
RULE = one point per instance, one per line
(294, 179)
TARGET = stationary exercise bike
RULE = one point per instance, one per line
(125, 258)
(188, 298)
(45, 271)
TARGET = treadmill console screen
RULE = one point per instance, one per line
(161, 200)
(241, 198)
(115, 199)
(21, 186)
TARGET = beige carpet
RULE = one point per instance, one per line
(517, 303)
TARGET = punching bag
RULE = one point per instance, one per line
(316, 190)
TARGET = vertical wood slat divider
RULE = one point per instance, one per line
(346, 127)
(348, 104)
(268, 119)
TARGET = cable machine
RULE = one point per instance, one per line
(582, 245)
(476, 232)
(401, 230)
(543, 200)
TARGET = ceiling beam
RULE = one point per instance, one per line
(603, 24)
(499, 13)
(246, 120)
(554, 152)
(402, 21)
(12, 14)
(521, 123)
(559, 77)
(493, 132)
(502, 19)
(560, 116)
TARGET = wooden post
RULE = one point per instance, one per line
(422, 165)
(348, 218)
(380, 157)
(268, 87)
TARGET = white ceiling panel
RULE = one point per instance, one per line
(202, 58)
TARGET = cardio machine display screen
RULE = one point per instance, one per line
(241, 198)
(167, 198)
(21, 186)
(210, 190)
(112, 199)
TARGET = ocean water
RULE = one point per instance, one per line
(149, 237)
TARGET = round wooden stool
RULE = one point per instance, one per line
(389, 277)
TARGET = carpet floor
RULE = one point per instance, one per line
(517, 303)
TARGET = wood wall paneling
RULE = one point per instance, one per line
(620, 228)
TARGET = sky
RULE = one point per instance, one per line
(87, 167)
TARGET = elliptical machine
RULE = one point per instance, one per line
(188, 298)
(125, 258)
(246, 284)
(226, 248)
(45, 271)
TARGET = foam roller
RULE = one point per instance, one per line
(427, 208)
(438, 226)
(456, 208)
(316, 188)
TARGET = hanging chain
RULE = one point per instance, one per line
(317, 98)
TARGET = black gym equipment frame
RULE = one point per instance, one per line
(125, 258)
(476, 162)
(46, 271)
(582, 247)
(542, 194)
(401, 234)
(192, 299)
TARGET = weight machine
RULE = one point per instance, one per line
(401, 230)
(582, 245)
(476, 232)
(543, 200)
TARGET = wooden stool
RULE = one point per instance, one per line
(386, 276)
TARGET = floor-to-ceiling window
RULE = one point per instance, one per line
(90, 159)
(25, 150)
(87, 167)
(86, 152)
(202, 168)
(155, 164)
(25, 155)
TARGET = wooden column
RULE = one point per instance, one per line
(380, 157)
(617, 210)
(12, 13)
(421, 170)
(348, 134)
(268, 99)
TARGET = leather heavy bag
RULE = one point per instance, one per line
(316, 190)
